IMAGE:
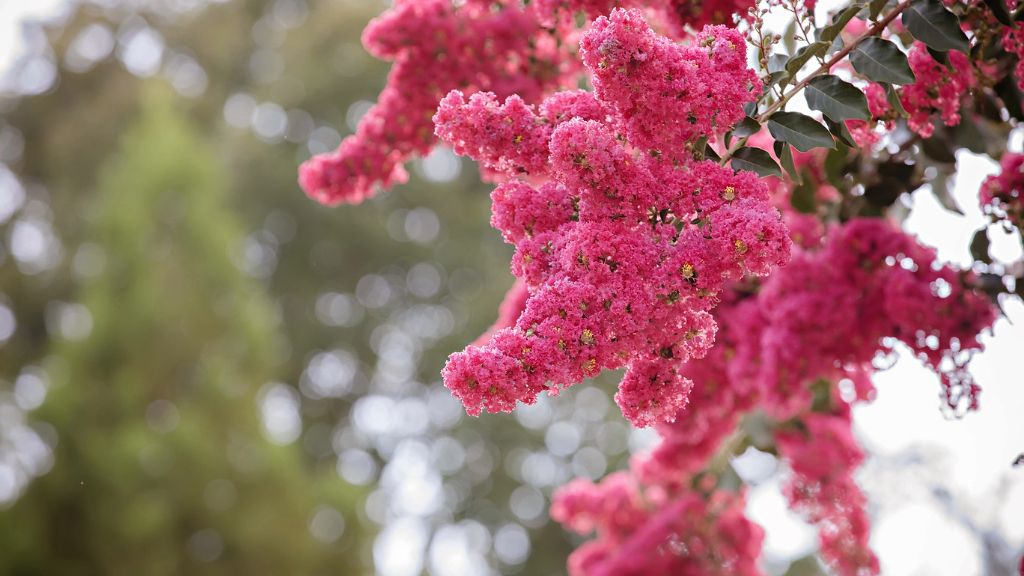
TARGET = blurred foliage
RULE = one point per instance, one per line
(160, 466)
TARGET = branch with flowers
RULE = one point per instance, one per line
(742, 262)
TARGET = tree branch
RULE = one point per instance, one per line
(823, 69)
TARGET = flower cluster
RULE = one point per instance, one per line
(863, 131)
(676, 15)
(937, 90)
(1002, 195)
(1013, 42)
(820, 321)
(436, 45)
(868, 282)
(504, 47)
(644, 532)
(623, 251)
(823, 456)
(667, 94)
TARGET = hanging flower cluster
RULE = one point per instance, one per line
(651, 532)
(938, 89)
(819, 321)
(436, 45)
(823, 456)
(1002, 195)
(624, 249)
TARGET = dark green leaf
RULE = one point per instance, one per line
(881, 61)
(875, 8)
(905, 173)
(940, 57)
(979, 246)
(746, 127)
(1011, 96)
(1000, 11)
(757, 161)
(968, 134)
(803, 198)
(894, 99)
(710, 154)
(930, 22)
(803, 55)
(836, 98)
(781, 78)
(784, 153)
(802, 131)
(835, 46)
(839, 130)
(942, 193)
(829, 33)
(938, 149)
(884, 193)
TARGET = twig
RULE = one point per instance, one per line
(823, 69)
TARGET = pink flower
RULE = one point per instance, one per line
(436, 46)
(937, 89)
(623, 252)
(668, 95)
(1002, 195)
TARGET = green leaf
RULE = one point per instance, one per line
(789, 37)
(800, 130)
(942, 193)
(781, 78)
(839, 130)
(881, 61)
(757, 161)
(940, 57)
(1011, 96)
(894, 100)
(931, 23)
(803, 55)
(784, 152)
(829, 33)
(875, 8)
(938, 148)
(979, 246)
(969, 134)
(746, 127)
(1000, 11)
(837, 166)
(710, 154)
(836, 98)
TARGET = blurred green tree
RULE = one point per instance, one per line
(161, 466)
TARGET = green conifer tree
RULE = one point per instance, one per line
(161, 466)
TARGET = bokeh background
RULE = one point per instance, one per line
(204, 372)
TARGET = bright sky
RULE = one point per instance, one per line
(12, 13)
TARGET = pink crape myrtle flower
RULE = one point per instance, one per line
(875, 268)
(436, 45)
(623, 251)
(642, 534)
(1002, 195)
(507, 47)
(823, 456)
(937, 89)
